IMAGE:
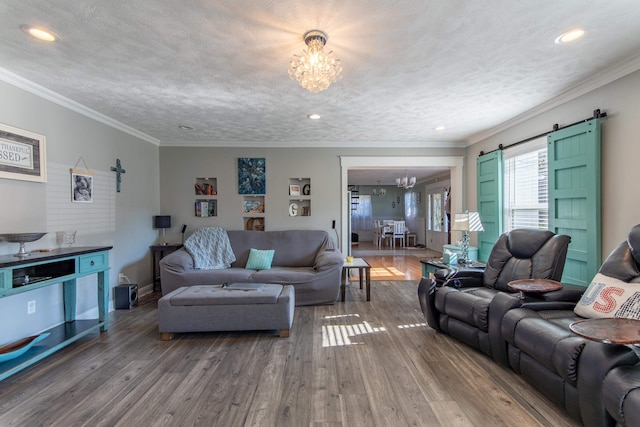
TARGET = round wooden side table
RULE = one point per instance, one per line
(534, 286)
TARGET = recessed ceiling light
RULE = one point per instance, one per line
(184, 127)
(569, 36)
(39, 33)
(314, 116)
(439, 128)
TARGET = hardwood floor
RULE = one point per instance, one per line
(393, 263)
(354, 363)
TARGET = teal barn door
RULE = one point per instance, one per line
(489, 182)
(574, 197)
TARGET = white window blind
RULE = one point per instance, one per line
(526, 203)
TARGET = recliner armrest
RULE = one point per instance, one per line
(464, 278)
(569, 293)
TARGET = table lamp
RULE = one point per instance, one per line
(163, 222)
(466, 222)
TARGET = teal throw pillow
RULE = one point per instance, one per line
(260, 259)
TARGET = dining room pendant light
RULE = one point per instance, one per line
(406, 182)
(314, 69)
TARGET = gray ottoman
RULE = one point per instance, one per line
(247, 307)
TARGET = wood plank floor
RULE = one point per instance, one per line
(354, 363)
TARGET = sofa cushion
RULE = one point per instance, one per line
(217, 295)
(260, 259)
(610, 297)
(284, 275)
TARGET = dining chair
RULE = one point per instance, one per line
(398, 232)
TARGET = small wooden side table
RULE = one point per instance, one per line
(610, 330)
(534, 286)
(364, 270)
(157, 253)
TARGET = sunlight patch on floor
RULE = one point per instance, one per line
(342, 335)
(412, 325)
(389, 273)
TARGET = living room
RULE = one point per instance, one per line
(160, 174)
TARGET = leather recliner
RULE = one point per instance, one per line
(566, 368)
(458, 302)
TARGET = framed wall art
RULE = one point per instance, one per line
(251, 175)
(22, 155)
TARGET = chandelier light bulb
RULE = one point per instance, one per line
(314, 69)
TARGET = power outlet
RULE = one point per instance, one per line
(31, 307)
(120, 278)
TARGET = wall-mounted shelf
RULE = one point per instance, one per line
(299, 197)
(253, 209)
(206, 203)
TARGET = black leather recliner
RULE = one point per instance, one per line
(621, 395)
(459, 302)
(568, 369)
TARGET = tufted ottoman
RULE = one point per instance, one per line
(235, 307)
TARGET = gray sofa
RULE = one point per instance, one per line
(305, 259)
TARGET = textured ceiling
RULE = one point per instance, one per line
(220, 67)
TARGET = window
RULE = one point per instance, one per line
(526, 203)
(410, 205)
(361, 217)
(434, 214)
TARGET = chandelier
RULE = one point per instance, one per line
(379, 192)
(315, 69)
(406, 182)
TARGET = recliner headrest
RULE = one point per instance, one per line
(524, 243)
(633, 240)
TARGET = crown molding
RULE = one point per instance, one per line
(313, 144)
(595, 82)
(34, 88)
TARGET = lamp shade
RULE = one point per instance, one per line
(469, 221)
(162, 221)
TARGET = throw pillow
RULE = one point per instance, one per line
(260, 259)
(609, 297)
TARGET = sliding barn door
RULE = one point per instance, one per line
(574, 197)
(489, 179)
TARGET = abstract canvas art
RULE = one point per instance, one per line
(251, 175)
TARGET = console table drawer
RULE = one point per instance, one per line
(5, 279)
(92, 262)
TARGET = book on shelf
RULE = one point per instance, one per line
(205, 208)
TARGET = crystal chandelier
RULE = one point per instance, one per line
(379, 192)
(315, 69)
(406, 182)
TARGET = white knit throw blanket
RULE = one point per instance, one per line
(210, 248)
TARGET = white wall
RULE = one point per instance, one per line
(620, 151)
(29, 206)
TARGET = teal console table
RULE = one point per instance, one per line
(41, 269)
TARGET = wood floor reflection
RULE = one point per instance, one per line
(395, 263)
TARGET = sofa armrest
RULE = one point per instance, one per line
(569, 293)
(595, 362)
(177, 261)
(328, 260)
(426, 296)
(500, 305)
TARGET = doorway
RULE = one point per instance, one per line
(454, 163)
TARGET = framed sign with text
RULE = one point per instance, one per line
(22, 155)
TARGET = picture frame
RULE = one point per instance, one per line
(294, 190)
(251, 175)
(81, 187)
(22, 155)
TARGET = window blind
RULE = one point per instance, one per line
(526, 202)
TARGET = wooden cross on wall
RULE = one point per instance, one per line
(119, 171)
